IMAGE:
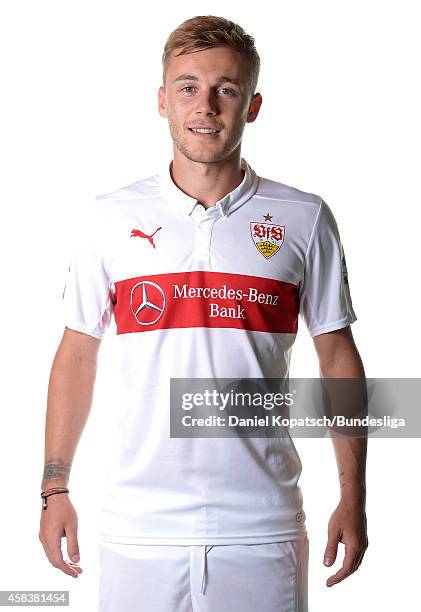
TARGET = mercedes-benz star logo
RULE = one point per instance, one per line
(142, 311)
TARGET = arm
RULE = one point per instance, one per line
(70, 393)
(339, 358)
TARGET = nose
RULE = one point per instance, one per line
(206, 103)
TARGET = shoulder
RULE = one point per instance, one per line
(109, 210)
(303, 206)
(142, 189)
(275, 190)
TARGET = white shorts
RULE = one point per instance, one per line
(233, 578)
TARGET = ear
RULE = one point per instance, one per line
(254, 107)
(162, 103)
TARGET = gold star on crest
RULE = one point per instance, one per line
(268, 217)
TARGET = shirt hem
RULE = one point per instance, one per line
(84, 329)
(204, 540)
(333, 325)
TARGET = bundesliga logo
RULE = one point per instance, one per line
(267, 237)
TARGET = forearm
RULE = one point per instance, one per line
(350, 452)
(351, 456)
(70, 392)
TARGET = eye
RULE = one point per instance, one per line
(231, 91)
(187, 87)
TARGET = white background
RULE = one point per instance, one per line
(340, 118)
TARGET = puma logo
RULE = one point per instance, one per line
(140, 234)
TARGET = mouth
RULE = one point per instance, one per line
(204, 132)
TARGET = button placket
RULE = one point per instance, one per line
(204, 220)
(203, 239)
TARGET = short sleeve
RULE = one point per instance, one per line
(325, 299)
(87, 296)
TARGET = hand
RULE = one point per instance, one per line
(348, 524)
(57, 520)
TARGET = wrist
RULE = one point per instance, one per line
(49, 494)
(53, 485)
(56, 473)
(353, 495)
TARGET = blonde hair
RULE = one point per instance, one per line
(206, 32)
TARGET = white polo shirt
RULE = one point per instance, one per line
(190, 292)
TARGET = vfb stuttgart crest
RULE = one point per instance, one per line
(267, 237)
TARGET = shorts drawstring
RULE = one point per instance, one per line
(205, 550)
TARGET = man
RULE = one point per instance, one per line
(204, 268)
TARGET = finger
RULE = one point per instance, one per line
(331, 549)
(74, 566)
(359, 560)
(72, 545)
(55, 557)
(357, 563)
(349, 560)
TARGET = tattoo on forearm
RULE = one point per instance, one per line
(56, 470)
(341, 480)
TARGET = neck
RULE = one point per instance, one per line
(207, 182)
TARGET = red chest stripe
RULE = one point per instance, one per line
(205, 299)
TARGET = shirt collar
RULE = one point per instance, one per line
(243, 192)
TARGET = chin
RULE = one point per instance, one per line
(206, 158)
(202, 156)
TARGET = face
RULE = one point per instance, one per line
(208, 89)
